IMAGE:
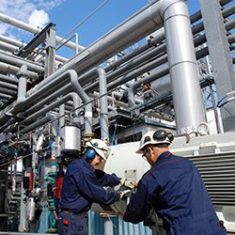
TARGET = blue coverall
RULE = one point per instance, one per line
(82, 186)
(174, 188)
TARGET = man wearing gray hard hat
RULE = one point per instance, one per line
(174, 188)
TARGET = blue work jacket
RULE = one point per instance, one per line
(83, 185)
(174, 188)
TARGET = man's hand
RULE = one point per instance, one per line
(124, 194)
(127, 183)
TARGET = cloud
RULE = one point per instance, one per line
(39, 18)
(34, 12)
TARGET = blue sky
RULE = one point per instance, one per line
(68, 13)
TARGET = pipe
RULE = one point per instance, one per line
(136, 27)
(6, 68)
(8, 85)
(64, 99)
(17, 61)
(147, 67)
(39, 92)
(35, 124)
(8, 79)
(184, 73)
(11, 41)
(159, 49)
(7, 47)
(16, 45)
(9, 20)
(8, 91)
(5, 96)
(38, 105)
(22, 86)
(104, 126)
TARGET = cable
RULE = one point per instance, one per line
(82, 22)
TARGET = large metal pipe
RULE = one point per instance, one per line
(9, 20)
(36, 93)
(14, 45)
(144, 53)
(6, 68)
(74, 96)
(104, 126)
(8, 85)
(17, 61)
(8, 79)
(38, 123)
(136, 27)
(187, 97)
(7, 47)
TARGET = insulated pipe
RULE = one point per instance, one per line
(38, 123)
(136, 27)
(147, 67)
(8, 91)
(8, 79)
(11, 41)
(104, 126)
(37, 92)
(187, 97)
(7, 47)
(14, 45)
(197, 41)
(17, 61)
(74, 96)
(151, 42)
(5, 96)
(49, 98)
(6, 68)
(22, 85)
(8, 85)
(9, 20)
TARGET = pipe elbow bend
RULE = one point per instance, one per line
(165, 4)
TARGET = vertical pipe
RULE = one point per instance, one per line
(22, 85)
(188, 103)
(76, 42)
(103, 105)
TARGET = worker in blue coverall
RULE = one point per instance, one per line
(83, 185)
(174, 188)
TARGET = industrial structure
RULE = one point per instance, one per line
(180, 78)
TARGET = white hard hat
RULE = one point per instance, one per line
(100, 147)
(155, 137)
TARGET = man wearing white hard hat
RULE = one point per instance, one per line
(83, 185)
(174, 188)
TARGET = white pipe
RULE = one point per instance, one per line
(6, 68)
(8, 47)
(141, 24)
(14, 45)
(9, 20)
(187, 97)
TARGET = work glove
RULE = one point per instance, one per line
(127, 183)
(124, 194)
